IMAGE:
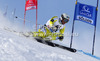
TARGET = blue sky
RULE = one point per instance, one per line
(50, 8)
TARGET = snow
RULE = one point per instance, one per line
(14, 47)
(19, 48)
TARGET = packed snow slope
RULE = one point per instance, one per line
(19, 48)
(15, 47)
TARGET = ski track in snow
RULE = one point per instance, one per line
(19, 48)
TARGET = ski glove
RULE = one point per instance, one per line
(61, 38)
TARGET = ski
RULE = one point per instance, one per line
(50, 43)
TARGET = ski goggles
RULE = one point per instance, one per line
(66, 20)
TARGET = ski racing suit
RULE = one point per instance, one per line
(55, 27)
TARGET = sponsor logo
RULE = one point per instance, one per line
(85, 19)
(31, 7)
(31, 2)
(85, 11)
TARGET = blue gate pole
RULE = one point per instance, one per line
(95, 29)
(72, 29)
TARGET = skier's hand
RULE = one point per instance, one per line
(44, 24)
(61, 38)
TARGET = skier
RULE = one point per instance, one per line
(52, 26)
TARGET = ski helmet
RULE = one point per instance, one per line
(64, 18)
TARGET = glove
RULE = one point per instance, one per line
(61, 38)
(52, 20)
(44, 24)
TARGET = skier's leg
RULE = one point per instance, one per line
(39, 34)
